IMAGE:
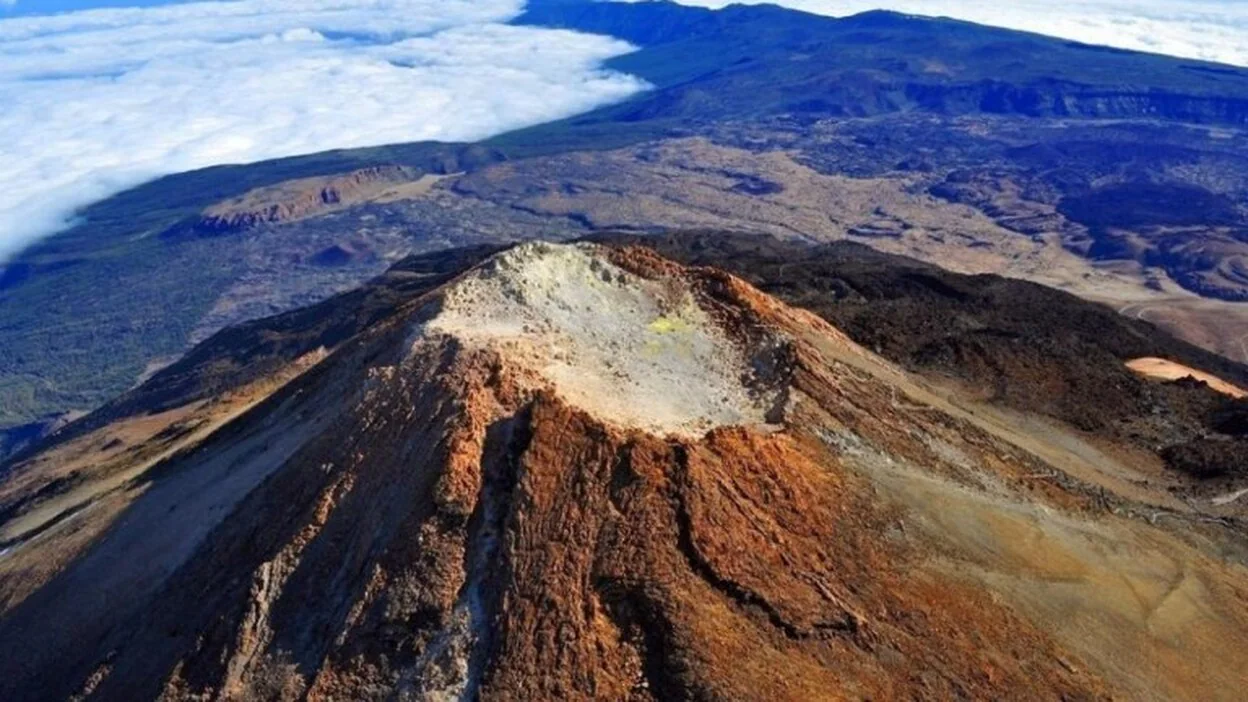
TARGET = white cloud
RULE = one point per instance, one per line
(1213, 30)
(97, 101)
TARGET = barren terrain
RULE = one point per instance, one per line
(703, 183)
(438, 507)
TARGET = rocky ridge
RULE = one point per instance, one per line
(299, 199)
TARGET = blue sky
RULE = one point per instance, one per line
(47, 7)
(1209, 29)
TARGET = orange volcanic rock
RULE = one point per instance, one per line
(583, 473)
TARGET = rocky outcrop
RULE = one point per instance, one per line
(299, 199)
(1061, 99)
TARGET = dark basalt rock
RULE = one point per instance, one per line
(1209, 458)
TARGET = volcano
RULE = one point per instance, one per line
(586, 472)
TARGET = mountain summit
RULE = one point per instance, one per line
(582, 472)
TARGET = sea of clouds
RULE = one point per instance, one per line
(1211, 30)
(94, 102)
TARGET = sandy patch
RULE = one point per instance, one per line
(1145, 609)
(1161, 369)
(409, 191)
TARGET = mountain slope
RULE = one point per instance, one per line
(581, 472)
(746, 61)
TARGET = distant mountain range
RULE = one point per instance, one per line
(1117, 175)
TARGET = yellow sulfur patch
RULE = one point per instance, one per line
(668, 325)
